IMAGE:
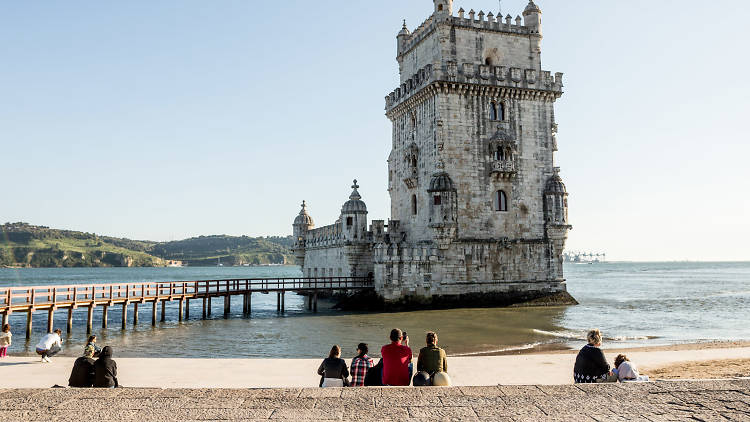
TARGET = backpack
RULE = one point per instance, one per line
(374, 377)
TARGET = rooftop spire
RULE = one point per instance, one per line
(355, 195)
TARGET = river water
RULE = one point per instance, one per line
(634, 304)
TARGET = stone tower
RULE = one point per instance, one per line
(477, 204)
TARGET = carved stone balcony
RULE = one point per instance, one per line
(412, 178)
(505, 169)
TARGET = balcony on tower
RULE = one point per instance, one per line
(503, 151)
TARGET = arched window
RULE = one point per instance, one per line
(493, 111)
(349, 221)
(414, 204)
(488, 61)
(437, 200)
(499, 153)
(501, 201)
(501, 111)
(440, 8)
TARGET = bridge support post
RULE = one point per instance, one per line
(135, 314)
(244, 304)
(180, 305)
(50, 319)
(187, 309)
(153, 312)
(283, 296)
(315, 302)
(309, 301)
(163, 310)
(69, 325)
(90, 318)
(227, 305)
(28, 324)
(124, 315)
(204, 307)
(209, 305)
(105, 313)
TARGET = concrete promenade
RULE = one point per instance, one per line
(659, 401)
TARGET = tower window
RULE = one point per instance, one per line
(440, 8)
(488, 61)
(493, 111)
(349, 221)
(501, 111)
(414, 204)
(500, 154)
(437, 200)
(501, 201)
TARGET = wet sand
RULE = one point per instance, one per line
(524, 369)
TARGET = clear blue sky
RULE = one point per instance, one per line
(168, 119)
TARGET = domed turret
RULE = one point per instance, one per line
(532, 17)
(354, 205)
(304, 219)
(354, 217)
(556, 200)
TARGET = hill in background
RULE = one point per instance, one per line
(24, 245)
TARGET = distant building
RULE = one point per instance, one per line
(478, 209)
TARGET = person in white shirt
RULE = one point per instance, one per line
(6, 338)
(49, 345)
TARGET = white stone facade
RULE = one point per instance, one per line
(477, 205)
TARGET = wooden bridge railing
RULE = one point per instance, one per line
(32, 296)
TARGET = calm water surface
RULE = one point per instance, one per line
(633, 303)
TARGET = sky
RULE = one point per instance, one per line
(167, 119)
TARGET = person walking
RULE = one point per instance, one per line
(332, 370)
(6, 338)
(49, 345)
(396, 360)
(360, 365)
(432, 358)
(591, 366)
(83, 373)
(105, 370)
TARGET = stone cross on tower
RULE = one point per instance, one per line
(355, 194)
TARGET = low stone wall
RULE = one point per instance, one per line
(660, 401)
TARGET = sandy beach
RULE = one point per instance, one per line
(696, 361)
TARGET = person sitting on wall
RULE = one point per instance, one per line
(333, 371)
(591, 366)
(49, 345)
(626, 371)
(91, 344)
(105, 370)
(432, 358)
(83, 372)
(360, 365)
(396, 360)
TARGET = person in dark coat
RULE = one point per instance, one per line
(333, 370)
(82, 375)
(105, 370)
(591, 365)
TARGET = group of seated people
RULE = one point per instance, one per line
(395, 368)
(591, 366)
(100, 373)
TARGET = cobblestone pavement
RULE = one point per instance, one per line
(661, 401)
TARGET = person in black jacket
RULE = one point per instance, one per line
(333, 370)
(82, 375)
(591, 365)
(105, 370)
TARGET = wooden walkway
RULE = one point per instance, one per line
(50, 298)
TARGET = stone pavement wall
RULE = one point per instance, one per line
(660, 401)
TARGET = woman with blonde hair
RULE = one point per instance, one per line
(591, 365)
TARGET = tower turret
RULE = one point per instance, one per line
(532, 17)
(402, 38)
(302, 224)
(354, 217)
(443, 8)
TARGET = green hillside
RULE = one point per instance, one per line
(24, 245)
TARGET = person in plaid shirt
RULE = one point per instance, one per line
(360, 365)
